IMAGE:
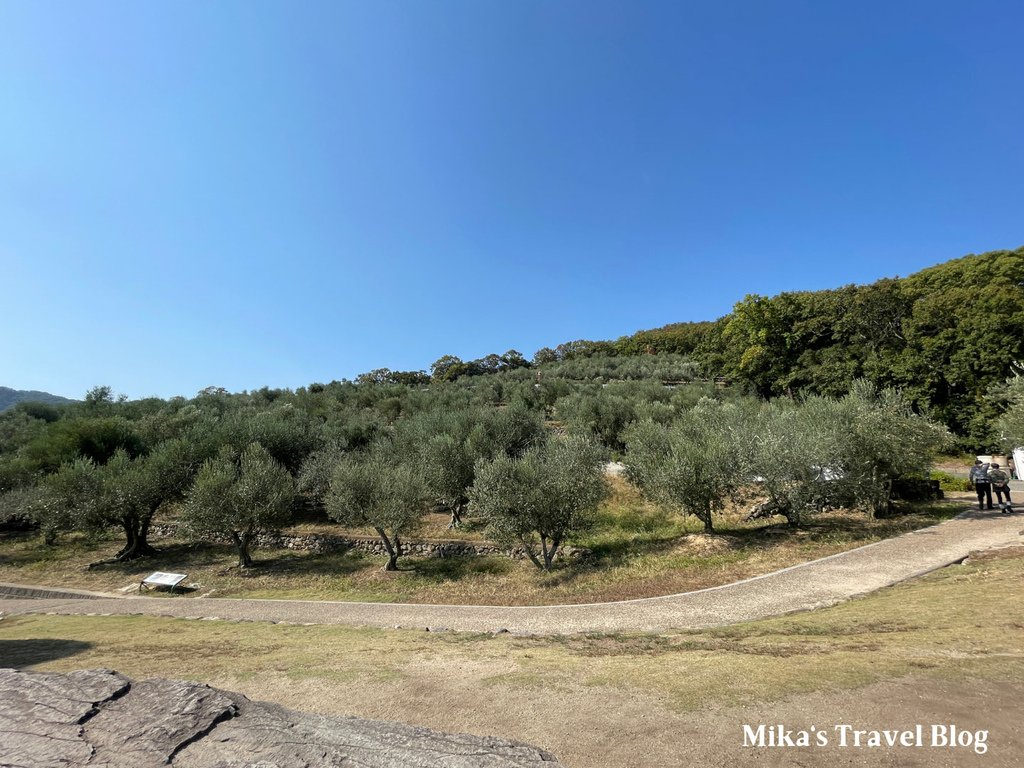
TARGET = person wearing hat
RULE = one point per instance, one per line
(982, 485)
(1001, 485)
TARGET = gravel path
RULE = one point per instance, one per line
(803, 587)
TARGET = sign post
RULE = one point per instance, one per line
(161, 579)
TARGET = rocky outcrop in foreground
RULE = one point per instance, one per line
(101, 718)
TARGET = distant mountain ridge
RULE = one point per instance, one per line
(11, 397)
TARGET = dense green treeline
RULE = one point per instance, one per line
(944, 336)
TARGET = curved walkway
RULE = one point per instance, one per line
(802, 587)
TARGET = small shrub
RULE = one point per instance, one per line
(948, 482)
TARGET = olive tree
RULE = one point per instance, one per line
(379, 491)
(93, 497)
(1010, 424)
(314, 477)
(882, 439)
(438, 443)
(52, 503)
(691, 464)
(285, 432)
(509, 431)
(599, 415)
(124, 492)
(793, 458)
(448, 470)
(446, 445)
(239, 496)
(542, 498)
(164, 475)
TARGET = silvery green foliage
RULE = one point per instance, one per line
(603, 412)
(597, 415)
(37, 504)
(847, 452)
(804, 456)
(62, 503)
(542, 498)
(1010, 425)
(239, 496)
(315, 475)
(287, 433)
(379, 491)
(446, 444)
(18, 503)
(694, 463)
(882, 438)
(96, 495)
(123, 492)
(794, 456)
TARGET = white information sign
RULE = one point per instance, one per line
(165, 579)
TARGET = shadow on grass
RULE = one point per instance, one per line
(612, 553)
(657, 538)
(341, 563)
(441, 569)
(26, 653)
(164, 591)
(28, 548)
(172, 556)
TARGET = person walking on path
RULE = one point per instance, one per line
(982, 484)
(1001, 485)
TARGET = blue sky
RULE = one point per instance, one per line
(275, 193)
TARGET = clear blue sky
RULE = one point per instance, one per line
(275, 193)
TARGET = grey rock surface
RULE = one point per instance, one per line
(101, 718)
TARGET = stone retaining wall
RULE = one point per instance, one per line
(43, 593)
(320, 542)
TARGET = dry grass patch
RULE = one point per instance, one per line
(596, 700)
(959, 621)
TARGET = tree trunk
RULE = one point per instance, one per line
(392, 549)
(242, 545)
(550, 552)
(705, 516)
(142, 542)
(881, 504)
(136, 530)
(457, 509)
(531, 554)
(130, 525)
(135, 545)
